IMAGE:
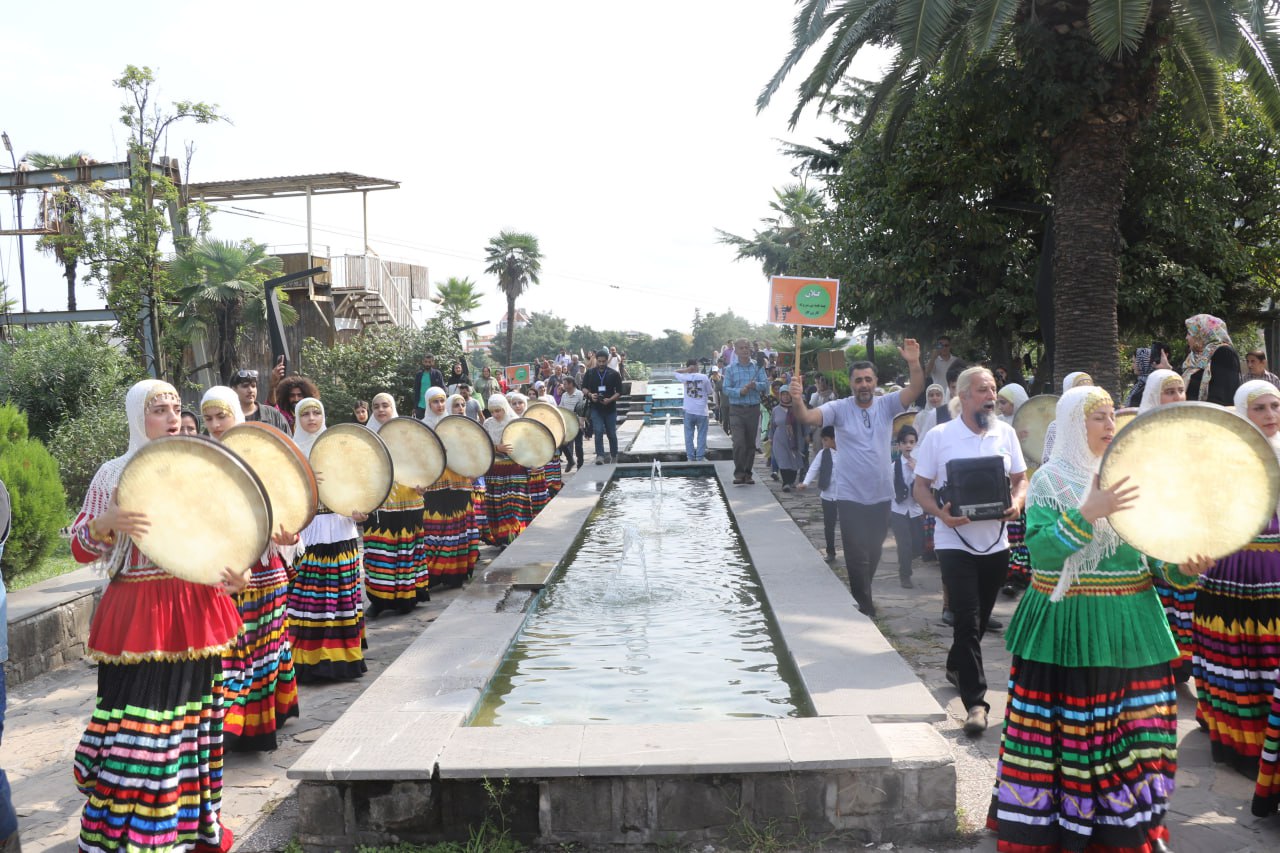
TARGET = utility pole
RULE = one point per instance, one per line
(22, 259)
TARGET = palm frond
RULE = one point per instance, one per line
(1197, 82)
(861, 21)
(883, 93)
(1213, 20)
(904, 98)
(1259, 57)
(1118, 25)
(989, 21)
(921, 25)
(806, 30)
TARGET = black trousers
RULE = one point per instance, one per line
(829, 519)
(973, 581)
(862, 531)
(908, 535)
(746, 428)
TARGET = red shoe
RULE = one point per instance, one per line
(228, 839)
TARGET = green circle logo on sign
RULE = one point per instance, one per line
(813, 302)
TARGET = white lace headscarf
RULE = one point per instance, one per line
(305, 440)
(448, 404)
(374, 424)
(223, 398)
(1015, 394)
(1065, 481)
(429, 417)
(96, 500)
(512, 398)
(1156, 381)
(1250, 391)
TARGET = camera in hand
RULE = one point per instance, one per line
(977, 488)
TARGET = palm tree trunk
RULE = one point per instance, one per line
(511, 325)
(70, 272)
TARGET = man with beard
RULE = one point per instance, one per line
(973, 555)
(861, 479)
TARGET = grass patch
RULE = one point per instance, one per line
(59, 562)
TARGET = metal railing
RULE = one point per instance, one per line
(369, 274)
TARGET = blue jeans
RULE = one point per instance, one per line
(694, 423)
(605, 423)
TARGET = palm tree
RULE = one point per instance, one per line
(459, 295)
(66, 244)
(221, 290)
(515, 259)
(1091, 70)
(798, 211)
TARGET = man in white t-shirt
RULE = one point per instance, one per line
(697, 393)
(862, 482)
(973, 555)
(939, 363)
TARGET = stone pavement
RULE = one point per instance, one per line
(1210, 808)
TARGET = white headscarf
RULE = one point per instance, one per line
(941, 390)
(1015, 394)
(1155, 387)
(374, 424)
(448, 404)
(1069, 381)
(1065, 481)
(301, 437)
(500, 409)
(429, 417)
(224, 398)
(512, 397)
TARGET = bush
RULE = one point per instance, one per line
(81, 444)
(638, 370)
(39, 504)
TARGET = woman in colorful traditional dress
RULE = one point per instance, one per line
(326, 610)
(448, 519)
(1008, 400)
(506, 486)
(476, 519)
(258, 687)
(1090, 742)
(1237, 621)
(395, 572)
(536, 485)
(150, 761)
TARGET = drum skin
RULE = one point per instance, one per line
(1173, 518)
(1031, 422)
(571, 425)
(549, 416)
(353, 469)
(417, 456)
(532, 444)
(283, 469)
(1125, 416)
(468, 448)
(194, 492)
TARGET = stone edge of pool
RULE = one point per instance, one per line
(869, 762)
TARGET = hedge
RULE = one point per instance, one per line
(39, 503)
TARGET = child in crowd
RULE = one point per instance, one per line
(822, 468)
(906, 518)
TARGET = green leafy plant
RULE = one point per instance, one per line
(39, 504)
(82, 443)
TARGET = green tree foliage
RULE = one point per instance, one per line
(39, 504)
(785, 245)
(57, 373)
(81, 444)
(383, 358)
(544, 335)
(515, 258)
(67, 244)
(710, 331)
(459, 295)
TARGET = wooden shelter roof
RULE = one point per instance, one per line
(286, 186)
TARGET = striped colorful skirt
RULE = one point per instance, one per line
(394, 557)
(1087, 759)
(1180, 609)
(479, 513)
(326, 615)
(1266, 794)
(506, 501)
(539, 489)
(1237, 651)
(150, 761)
(555, 475)
(1019, 558)
(448, 525)
(258, 687)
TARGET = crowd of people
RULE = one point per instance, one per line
(188, 671)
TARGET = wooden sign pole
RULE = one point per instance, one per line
(796, 370)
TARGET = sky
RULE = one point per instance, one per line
(622, 136)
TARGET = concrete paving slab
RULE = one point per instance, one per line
(378, 745)
(512, 751)
(832, 743)
(743, 746)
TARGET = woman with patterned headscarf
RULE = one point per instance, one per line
(1212, 366)
(150, 761)
(1141, 369)
(1237, 620)
(395, 570)
(326, 609)
(1089, 749)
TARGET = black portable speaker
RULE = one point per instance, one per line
(977, 488)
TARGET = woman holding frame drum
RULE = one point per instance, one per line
(507, 507)
(1089, 750)
(259, 691)
(326, 609)
(539, 484)
(150, 761)
(395, 571)
(448, 517)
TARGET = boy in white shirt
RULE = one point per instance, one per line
(906, 518)
(826, 482)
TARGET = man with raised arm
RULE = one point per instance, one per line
(863, 486)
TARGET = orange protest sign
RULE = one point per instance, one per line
(519, 374)
(795, 301)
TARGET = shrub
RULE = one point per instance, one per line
(39, 504)
(81, 444)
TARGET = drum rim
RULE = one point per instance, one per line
(527, 422)
(1229, 417)
(299, 457)
(231, 455)
(563, 429)
(577, 428)
(478, 427)
(418, 425)
(378, 444)
(1055, 397)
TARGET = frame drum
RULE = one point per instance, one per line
(899, 422)
(571, 424)
(1124, 416)
(353, 469)
(1031, 422)
(195, 492)
(1166, 521)
(417, 456)
(468, 448)
(284, 471)
(549, 416)
(532, 444)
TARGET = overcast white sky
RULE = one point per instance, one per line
(621, 135)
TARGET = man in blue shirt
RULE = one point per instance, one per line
(863, 485)
(744, 382)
